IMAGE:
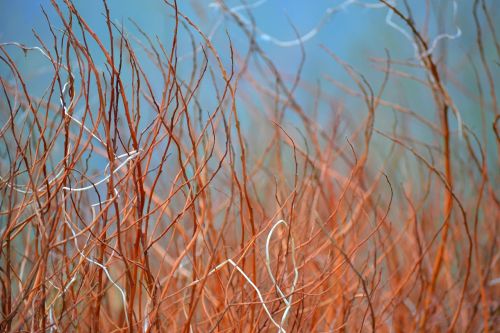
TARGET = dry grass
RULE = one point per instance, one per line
(131, 206)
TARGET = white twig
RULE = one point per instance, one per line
(60, 294)
(27, 48)
(259, 294)
(131, 155)
(92, 261)
(494, 282)
(287, 301)
(419, 55)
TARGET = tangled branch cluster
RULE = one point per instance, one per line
(135, 204)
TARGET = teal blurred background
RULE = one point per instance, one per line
(356, 31)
